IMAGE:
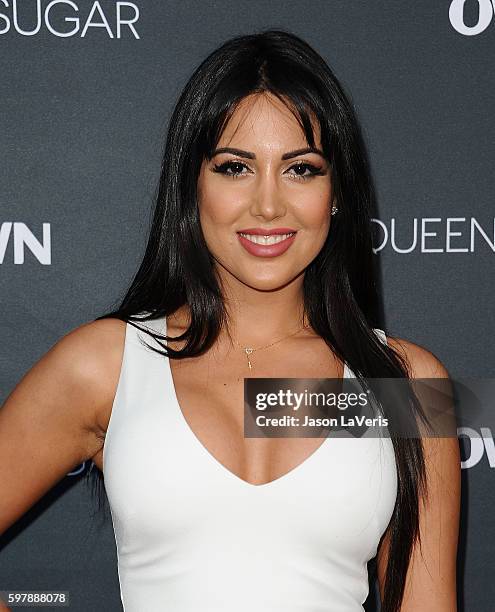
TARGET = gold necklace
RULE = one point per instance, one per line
(249, 350)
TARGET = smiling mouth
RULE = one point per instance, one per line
(266, 240)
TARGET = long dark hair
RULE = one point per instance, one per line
(340, 287)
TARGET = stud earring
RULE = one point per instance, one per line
(334, 209)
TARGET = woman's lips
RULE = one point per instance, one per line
(266, 250)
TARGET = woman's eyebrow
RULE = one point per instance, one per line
(249, 155)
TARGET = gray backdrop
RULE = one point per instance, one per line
(83, 114)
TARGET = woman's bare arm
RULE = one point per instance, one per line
(431, 576)
(53, 420)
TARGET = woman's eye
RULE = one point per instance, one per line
(302, 168)
(230, 168)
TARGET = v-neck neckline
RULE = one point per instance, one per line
(287, 476)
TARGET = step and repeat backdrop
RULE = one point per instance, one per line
(86, 91)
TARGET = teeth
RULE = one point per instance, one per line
(274, 239)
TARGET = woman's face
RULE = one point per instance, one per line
(267, 180)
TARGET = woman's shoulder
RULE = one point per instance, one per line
(421, 361)
(89, 358)
(92, 344)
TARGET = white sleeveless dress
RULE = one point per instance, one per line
(193, 537)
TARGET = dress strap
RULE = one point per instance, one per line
(381, 334)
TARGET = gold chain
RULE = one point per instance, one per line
(249, 350)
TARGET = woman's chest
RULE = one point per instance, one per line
(211, 403)
(164, 484)
(177, 465)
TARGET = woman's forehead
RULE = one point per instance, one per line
(264, 118)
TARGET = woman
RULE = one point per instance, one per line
(258, 264)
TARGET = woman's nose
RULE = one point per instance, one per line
(267, 199)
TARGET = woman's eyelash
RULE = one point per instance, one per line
(223, 169)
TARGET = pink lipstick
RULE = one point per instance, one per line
(266, 242)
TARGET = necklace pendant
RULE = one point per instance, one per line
(248, 352)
